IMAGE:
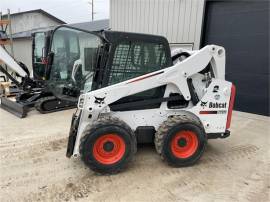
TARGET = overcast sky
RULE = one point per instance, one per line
(70, 11)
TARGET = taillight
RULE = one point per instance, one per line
(229, 117)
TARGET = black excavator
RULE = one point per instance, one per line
(64, 49)
(31, 92)
(36, 92)
(59, 55)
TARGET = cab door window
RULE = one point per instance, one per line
(133, 59)
(38, 51)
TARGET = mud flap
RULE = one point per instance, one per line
(14, 107)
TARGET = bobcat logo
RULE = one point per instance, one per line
(99, 100)
(203, 104)
(215, 89)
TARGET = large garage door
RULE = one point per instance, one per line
(242, 27)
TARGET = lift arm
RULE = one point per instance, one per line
(176, 74)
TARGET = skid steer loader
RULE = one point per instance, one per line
(138, 91)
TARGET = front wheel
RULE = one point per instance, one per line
(108, 145)
(180, 141)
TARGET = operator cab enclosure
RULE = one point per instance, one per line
(81, 61)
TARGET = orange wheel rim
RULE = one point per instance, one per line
(109, 149)
(184, 144)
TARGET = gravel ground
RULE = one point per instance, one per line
(33, 166)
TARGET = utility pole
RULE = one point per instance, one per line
(10, 34)
(92, 9)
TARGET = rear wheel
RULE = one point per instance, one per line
(184, 144)
(180, 141)
(108, 145)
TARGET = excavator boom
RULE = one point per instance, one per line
(11, 63)
(7, 104)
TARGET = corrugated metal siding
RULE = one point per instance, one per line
(179, 20)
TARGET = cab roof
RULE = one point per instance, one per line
(116, 36)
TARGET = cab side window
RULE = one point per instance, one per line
(132, 59)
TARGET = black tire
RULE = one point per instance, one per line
(100, 128)
(173, 128)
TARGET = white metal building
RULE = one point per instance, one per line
(241, 26)
(23, 24)
(179, 20)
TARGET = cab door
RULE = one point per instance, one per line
(39, 61)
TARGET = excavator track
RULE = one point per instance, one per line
(52, 104)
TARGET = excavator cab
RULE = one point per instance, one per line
(72, 60)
